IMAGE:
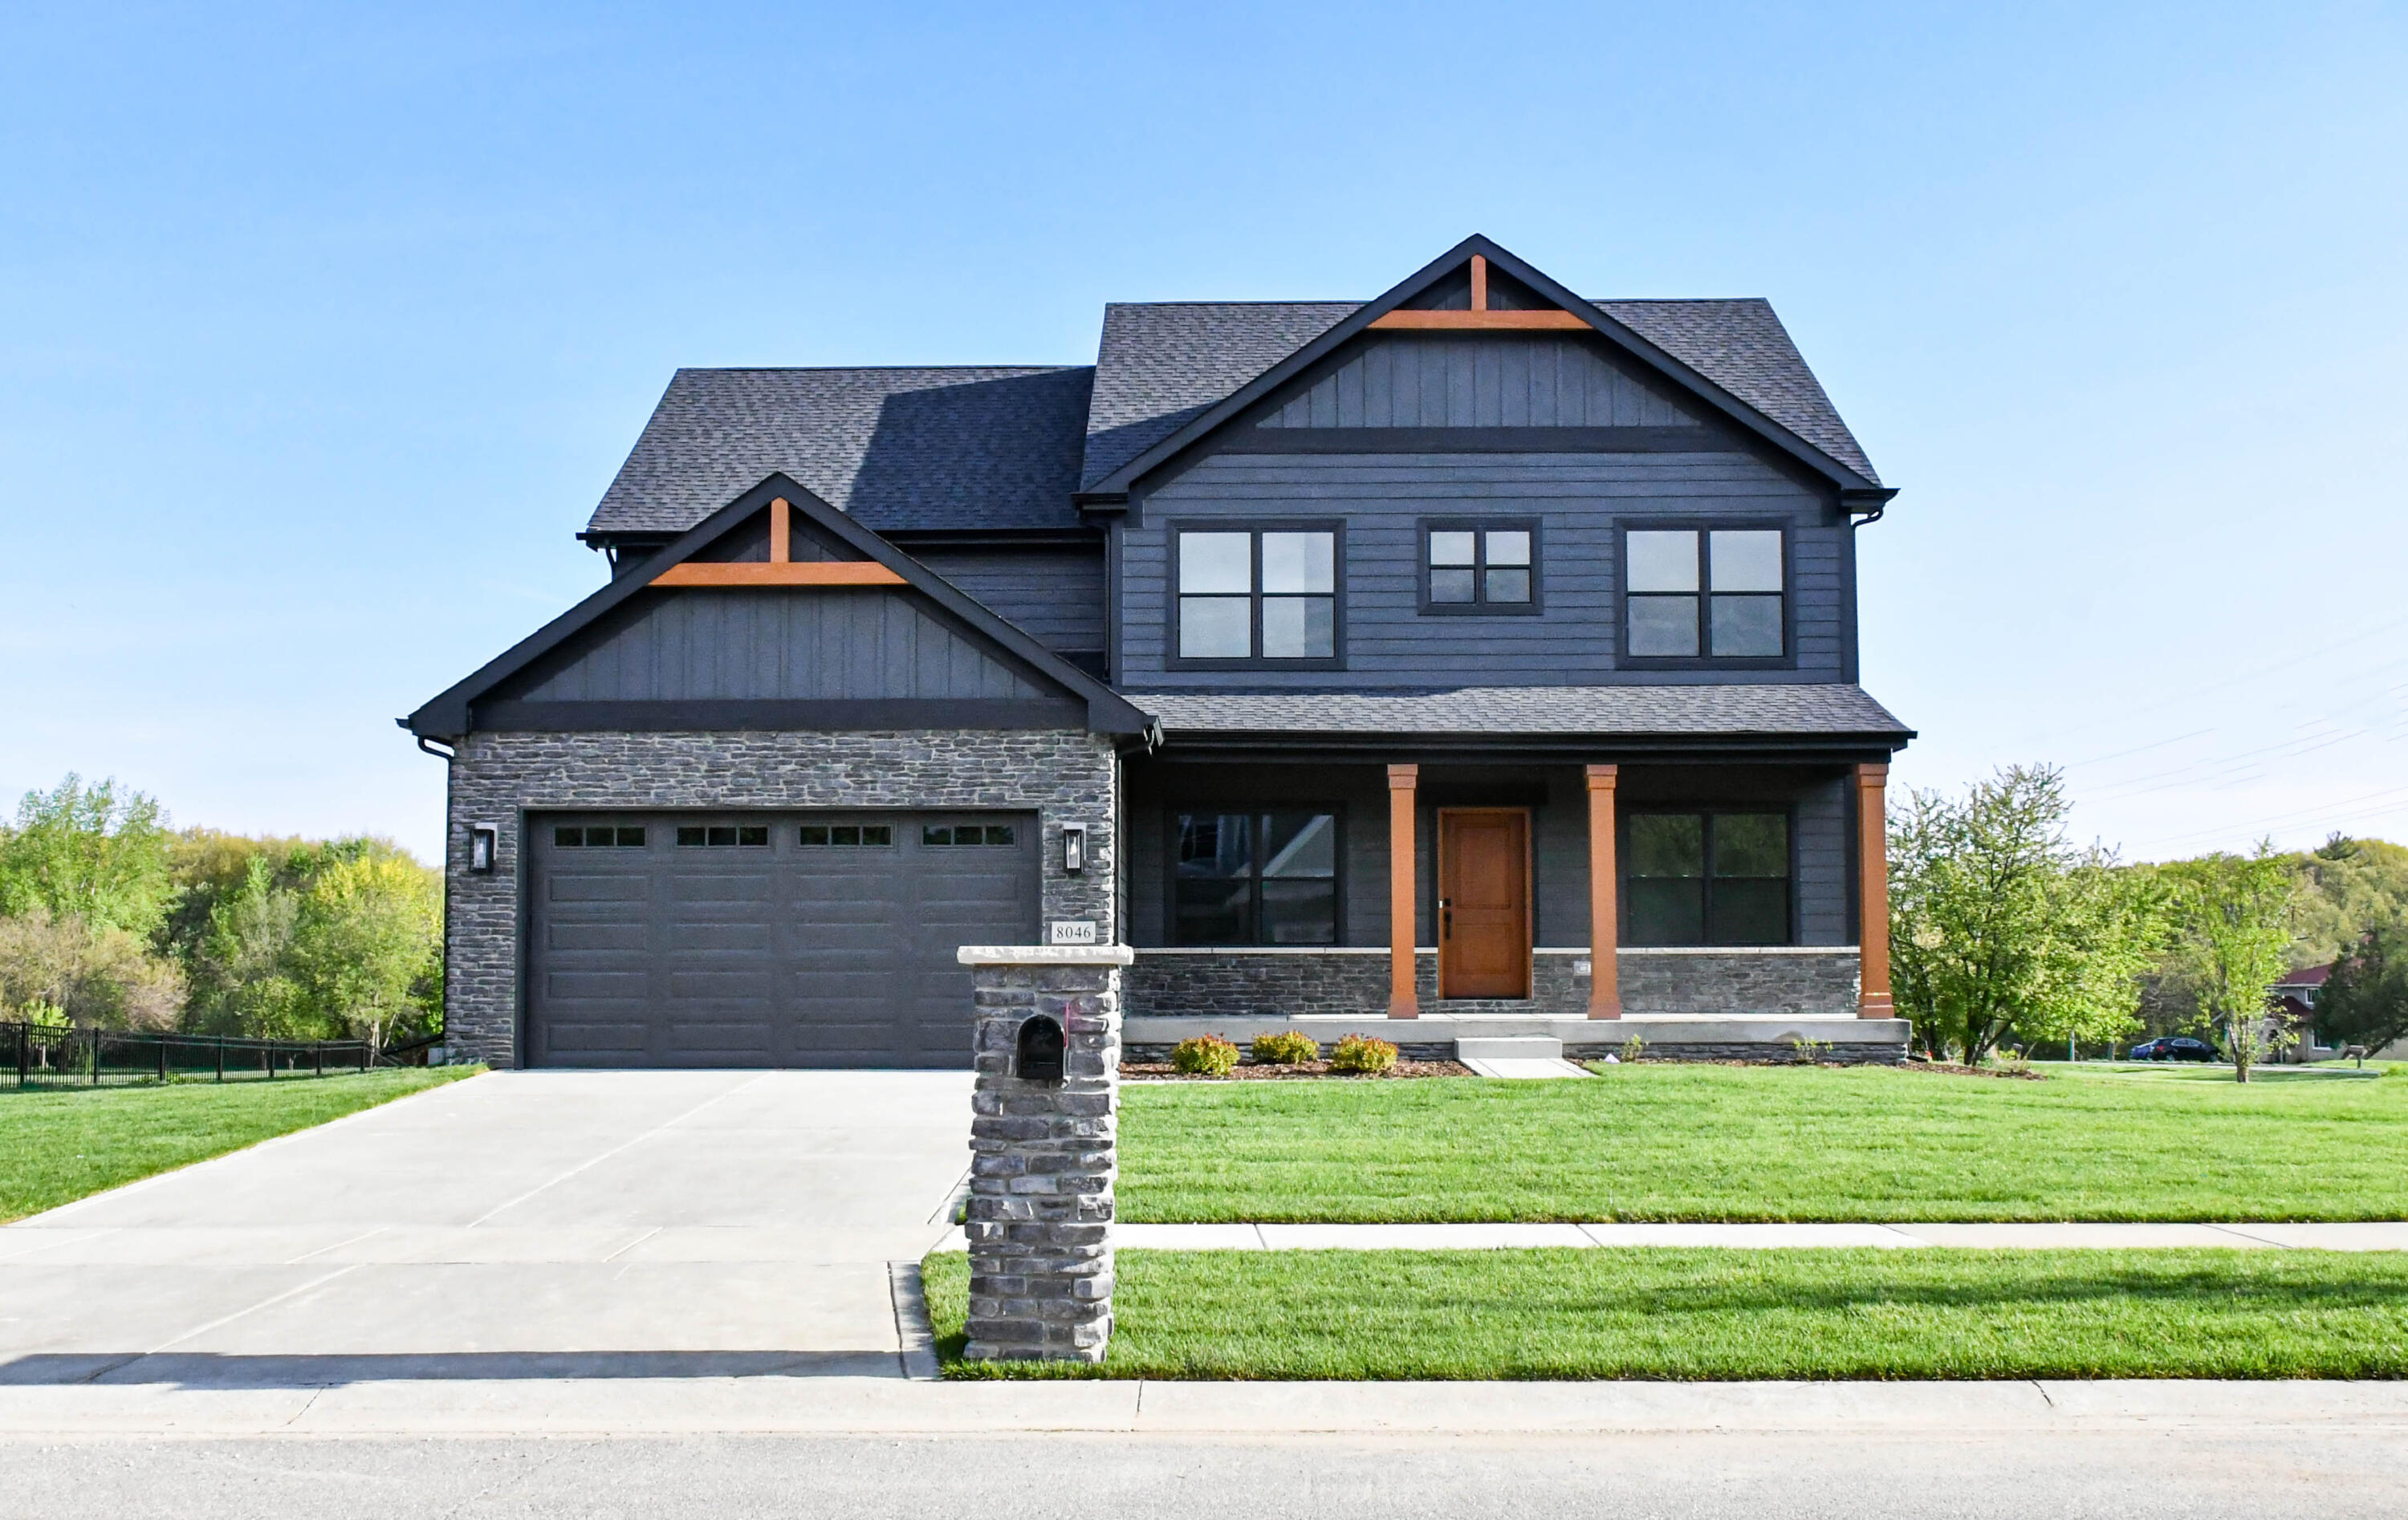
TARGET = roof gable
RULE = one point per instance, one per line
(1170, 375)
(710, 560)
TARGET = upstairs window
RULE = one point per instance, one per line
(1705, 593)
(1255, 878)
(1480, 567)
(1708, 879)
(1258, 596)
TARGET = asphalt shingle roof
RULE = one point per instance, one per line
(1630, 711)
(1002, 445)
(1160, 364)
(985, 447)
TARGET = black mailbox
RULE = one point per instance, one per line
(1038, 1053)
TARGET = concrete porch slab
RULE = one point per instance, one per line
(1517, 1068)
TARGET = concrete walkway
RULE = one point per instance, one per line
(784, 1403)
(2383, 1235)
(512, 1225)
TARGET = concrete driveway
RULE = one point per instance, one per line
(514, 1225)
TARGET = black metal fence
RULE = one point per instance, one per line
(46, 1055)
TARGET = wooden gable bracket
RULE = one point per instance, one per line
(1480, 319)
(780, 569)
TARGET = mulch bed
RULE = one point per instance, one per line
(1161, 1071)
(1947, 1069)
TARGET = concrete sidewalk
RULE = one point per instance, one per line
(2380, 1235)
(328, 1399)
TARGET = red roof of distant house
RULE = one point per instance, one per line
(2307, 976)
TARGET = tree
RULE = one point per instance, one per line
(2348, 886)
(366, 932)
(2365, 999)
(83, 853)
(101, 976)
(2233, 931)
(1999, 923)
(241, 985)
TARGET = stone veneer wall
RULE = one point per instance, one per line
(1043, 1157)
(1286, 983)
(1801, 983)
(1066, 776)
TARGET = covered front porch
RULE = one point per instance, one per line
(1710, 904)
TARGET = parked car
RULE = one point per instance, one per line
(2173, 1048)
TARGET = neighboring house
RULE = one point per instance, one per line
(1477, 659)
(2295, 1008)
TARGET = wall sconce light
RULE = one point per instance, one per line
(1074, 848)
(484, 839)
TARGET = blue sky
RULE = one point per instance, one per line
(321, 329)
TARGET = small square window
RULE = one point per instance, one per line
(568, 838)
(631, 839)
(881, 835)
(1476, 568)
(720, 833)
(999, 834)
(934, 834)
(812, 834)
(845, 833)
(754, 835)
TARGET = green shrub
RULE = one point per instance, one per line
(1632, 1049)
(1289, 1047)
(1361, 1053)
(1207, 1056)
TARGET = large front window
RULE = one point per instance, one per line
(1268, 877)
(1692, 594)
(1257, 594)
(1708, 879)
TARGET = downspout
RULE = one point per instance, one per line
(447, 757)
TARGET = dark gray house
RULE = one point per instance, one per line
(1480, 659)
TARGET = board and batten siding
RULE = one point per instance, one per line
(1056, 596)
(1578, 500)
(752, 644)
(1460, 381)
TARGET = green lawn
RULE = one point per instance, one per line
(1684, 1315)
(62, 1144)
(1709, 1142)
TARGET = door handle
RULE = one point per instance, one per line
(1446, 918)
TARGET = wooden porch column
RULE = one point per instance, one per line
(1604, 914)
(1872, 891)
(1402, 780)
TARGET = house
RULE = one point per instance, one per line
(1476, 660)
(2293, 1007)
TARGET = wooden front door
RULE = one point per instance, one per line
(1484, 910)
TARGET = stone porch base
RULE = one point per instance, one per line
(1736, 1004)
(1431, 1037)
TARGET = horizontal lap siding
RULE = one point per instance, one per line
(1559, 834)
(1056, 598)
(1578, 500)
(702, 645)
(1821, 851)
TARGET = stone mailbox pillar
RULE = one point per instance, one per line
(1044, 1148)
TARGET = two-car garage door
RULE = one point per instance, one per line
(767, 939)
